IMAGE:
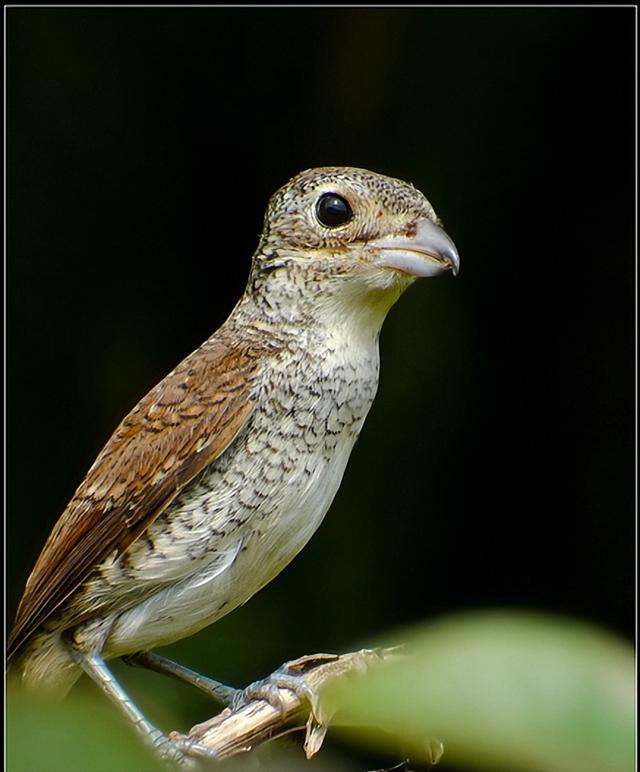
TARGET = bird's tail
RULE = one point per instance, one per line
(45, 665)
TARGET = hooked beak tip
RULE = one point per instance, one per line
(426, 252)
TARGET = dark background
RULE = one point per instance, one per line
(497, 465)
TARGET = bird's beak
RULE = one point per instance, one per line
(427, 253)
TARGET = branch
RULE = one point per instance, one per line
(235, 731)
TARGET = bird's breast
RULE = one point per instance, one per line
(278, 480)
(313, 409)
(275, 483)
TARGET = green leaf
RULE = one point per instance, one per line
(77, 734)
(502, 690)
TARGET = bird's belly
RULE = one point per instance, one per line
(256, 552)
(241, 522)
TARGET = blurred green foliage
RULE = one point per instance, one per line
(82, 734)
(501, 690)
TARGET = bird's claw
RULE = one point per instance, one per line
(269, 689)
(181, 751)
(169, 752)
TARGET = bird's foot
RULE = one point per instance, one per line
(180, 751)
(270, 690)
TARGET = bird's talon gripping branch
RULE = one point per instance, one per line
(302, 690)
(192, 749)
(260, 690)
(269, 689)
(171, 754)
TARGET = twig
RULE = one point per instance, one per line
(234, 731)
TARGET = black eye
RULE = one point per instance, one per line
(333, 210)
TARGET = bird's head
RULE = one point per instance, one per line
(346, 233)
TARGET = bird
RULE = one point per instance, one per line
(221, 474)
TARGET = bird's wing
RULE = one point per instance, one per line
(172, 434)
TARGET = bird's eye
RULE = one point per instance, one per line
(333, 210)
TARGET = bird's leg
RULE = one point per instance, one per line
(288, 676)
(178, 752)
(218, 691)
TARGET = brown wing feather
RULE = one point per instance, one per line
(172, 434)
